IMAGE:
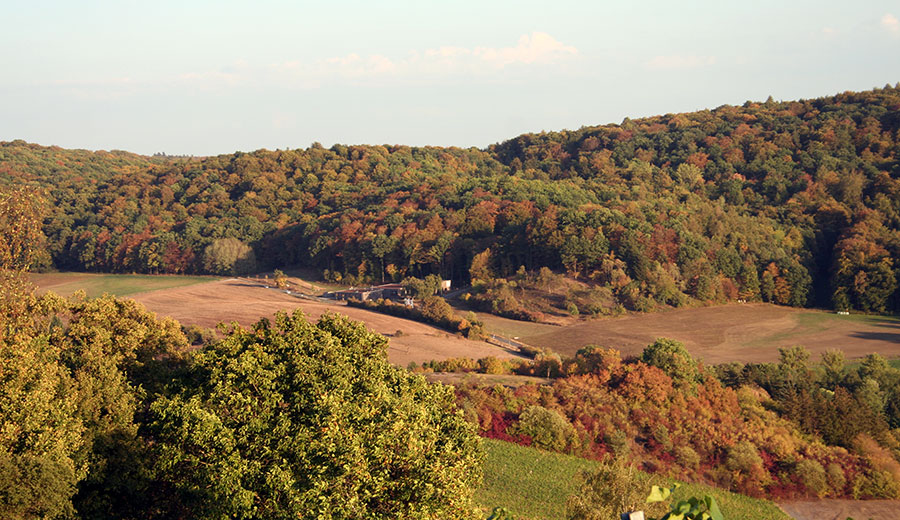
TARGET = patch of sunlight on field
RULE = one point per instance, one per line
(95, 285)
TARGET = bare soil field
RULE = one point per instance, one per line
(831, 509)
(720, 334)
(245, 302)
(750, 332)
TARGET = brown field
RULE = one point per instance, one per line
(831, 509)
(750, 332)
(244, 301)
(735, 332)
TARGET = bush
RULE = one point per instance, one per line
(611, 490)
(836, 479)
(878, 484)
(618, 442)
(743, 457)
(672, 358)
(812, 475)
(437, 309)
(197, 335)
(548, 429)
(661, 435)
(492, 365)
(687, 457)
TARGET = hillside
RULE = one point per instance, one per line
(535, 484)
(795, 203)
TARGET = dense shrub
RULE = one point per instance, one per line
(547, 429)
(687, 457)
(836, 478)
(812, 475)
(672, 358)
(732, 438)
(877, 484)
(617, 441)
(607, 492)
(743, 457)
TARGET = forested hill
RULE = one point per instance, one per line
(792, 202)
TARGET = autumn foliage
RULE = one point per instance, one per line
(681, 420)
(795, 203)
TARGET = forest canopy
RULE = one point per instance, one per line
(796, 203)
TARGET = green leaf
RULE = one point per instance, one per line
(713, 507)
(659, 494)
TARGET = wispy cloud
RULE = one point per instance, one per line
(537, 49)
(680, 61)
(534, 48)
(891, 23)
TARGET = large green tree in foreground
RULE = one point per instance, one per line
(74, 377)
(301, 420)
(103, 416)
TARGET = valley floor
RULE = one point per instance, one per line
(246, 302)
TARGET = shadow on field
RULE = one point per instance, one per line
(879, 336)
(887, 324)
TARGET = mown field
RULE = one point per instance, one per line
(751, 332)
(94, 284)
(534, 485)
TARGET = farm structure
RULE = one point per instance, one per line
(390, 291)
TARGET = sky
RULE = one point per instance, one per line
(214, 77)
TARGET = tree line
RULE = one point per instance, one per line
(796, 203)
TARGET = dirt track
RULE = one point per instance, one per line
(736, 332)
(245, 302)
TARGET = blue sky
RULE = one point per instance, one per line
(210, 77)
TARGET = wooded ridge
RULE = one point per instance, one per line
(796, 203)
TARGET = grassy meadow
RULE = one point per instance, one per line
(94, 284)
(534, 485)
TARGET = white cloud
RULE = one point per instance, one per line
(448, 52)
(678, 61)
(891, 23)
(537, 47)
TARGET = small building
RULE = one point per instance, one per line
(445, 285)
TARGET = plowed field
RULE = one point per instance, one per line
(246, 302)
